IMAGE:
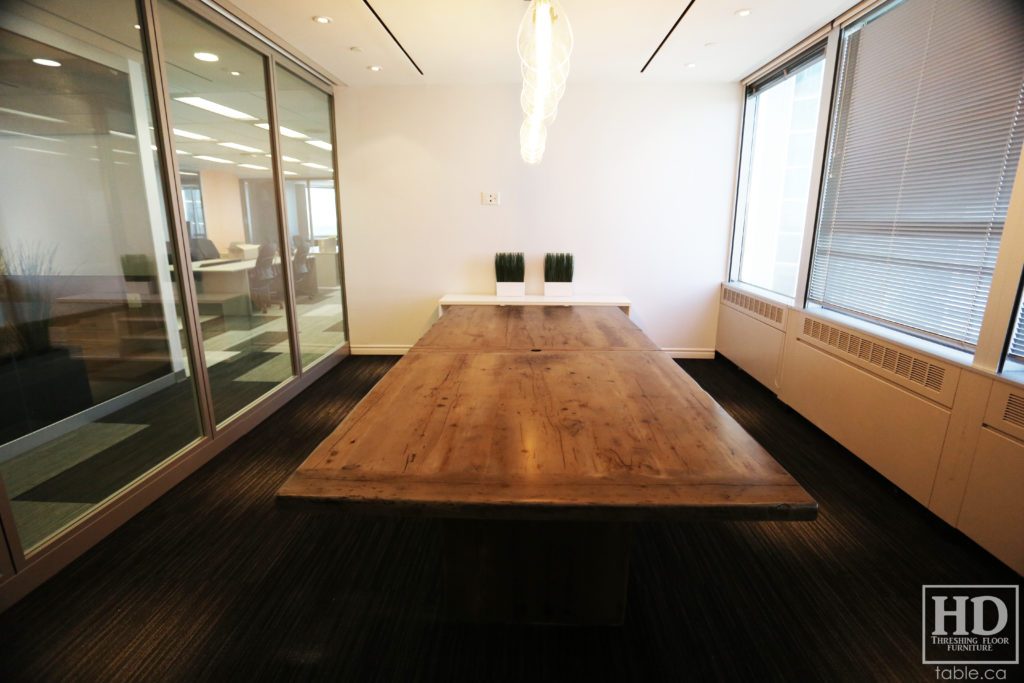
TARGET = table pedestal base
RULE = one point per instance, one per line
(552, 572)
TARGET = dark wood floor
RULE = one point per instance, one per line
(214, 582)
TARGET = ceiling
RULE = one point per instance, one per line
(474, 41)
(66, 111)
(453, 42)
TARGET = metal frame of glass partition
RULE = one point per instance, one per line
(7, 567)
(21, 572)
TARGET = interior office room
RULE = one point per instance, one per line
(815, 207)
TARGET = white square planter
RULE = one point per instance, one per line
(557, 289)
(510, 288)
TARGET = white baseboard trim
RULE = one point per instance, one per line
(379, 349)
(689, 353)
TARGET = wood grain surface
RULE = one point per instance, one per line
(496, 328)
(576, 433)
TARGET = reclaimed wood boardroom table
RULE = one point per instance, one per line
(539, 435)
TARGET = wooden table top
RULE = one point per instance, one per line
(507, 328)
(503, 431)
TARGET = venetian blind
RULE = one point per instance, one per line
(923, 148)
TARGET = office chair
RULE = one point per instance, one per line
(263, 280)
(203, 248)
(303, 268)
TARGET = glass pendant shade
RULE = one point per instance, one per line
(538, 108)
(544, 43)
(532, 139)
(545, 36)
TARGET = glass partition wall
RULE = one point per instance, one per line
(311, 203)
(94, 383)
(219, 112)
(113, 365)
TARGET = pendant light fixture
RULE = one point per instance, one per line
(544, 44)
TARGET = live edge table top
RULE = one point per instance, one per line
(543, 413)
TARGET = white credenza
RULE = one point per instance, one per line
(532, 300)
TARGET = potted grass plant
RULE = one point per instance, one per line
(509, 274)
(558, 271)
(40, 382)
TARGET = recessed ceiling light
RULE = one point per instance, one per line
(236, 73)
(287, 132)
(203, 103)
(191, 136)
(214, 159)
(254, 166)
(40, 151)
(290, 173)
(691, 65)
(206, 57)
(30, 115)
(321, 144)
(240, 148)
(285, 157)
(29, 135)
(375, 67)
(137, 27)
(187, 173)
(45, 62)
(322, 20)
(312, 165)
(742, 12)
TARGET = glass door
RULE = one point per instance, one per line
(304, 113)
(96, 387)
(219, 111)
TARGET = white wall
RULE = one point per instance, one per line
(222, 207)
(92, 211)
(637, 181)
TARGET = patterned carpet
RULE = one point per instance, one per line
(213, 582)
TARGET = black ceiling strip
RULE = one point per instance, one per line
(408, 56)
(667, 35)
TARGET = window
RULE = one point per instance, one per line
(322, 215)
(1015, 348)
(311, 211)
(923, 149)
(192, 196)
(780, 122)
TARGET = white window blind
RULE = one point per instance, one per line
(923, 149)
(1016, 350)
